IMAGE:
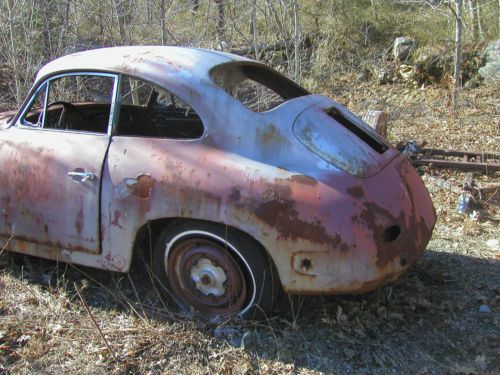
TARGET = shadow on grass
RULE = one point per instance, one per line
(427, 322)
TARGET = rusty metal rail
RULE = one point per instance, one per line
(486, 162)
(461, 160)
(468, 161)
(469, 185)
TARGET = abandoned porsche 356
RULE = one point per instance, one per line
(245, 183)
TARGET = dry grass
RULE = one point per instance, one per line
(56, 318)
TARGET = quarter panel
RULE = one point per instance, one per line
(146, 179)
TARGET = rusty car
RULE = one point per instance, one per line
(243, 184)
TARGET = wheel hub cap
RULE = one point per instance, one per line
(208, 277)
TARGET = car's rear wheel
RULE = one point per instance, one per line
(214, 270)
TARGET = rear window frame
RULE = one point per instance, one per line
(273, 80)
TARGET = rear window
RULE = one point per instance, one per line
(256, 86)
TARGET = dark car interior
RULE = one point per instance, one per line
(167, 122)
(145, 111)
(134, 120)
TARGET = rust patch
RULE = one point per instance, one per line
(407, 246)
(356, 192)
(143, 187)
(304, 180)
(281, 213)
(235, 194)
(116, 220)
(22, 241)
(79, 221)
(270, 135)
(116, 262)
(378, 219)
(139, 187)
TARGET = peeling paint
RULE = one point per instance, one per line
(320, 206)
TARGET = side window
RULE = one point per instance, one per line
(256, 96)
(34, 114)
(79, 103)
(148, 110)
(256, 87)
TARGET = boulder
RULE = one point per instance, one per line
(472, 83)
(383, 75)
(403, 46)
(491, 70)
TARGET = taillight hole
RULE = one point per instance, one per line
(391, 233)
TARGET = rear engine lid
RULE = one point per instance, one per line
(342, 139)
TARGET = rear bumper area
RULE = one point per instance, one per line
(384, 224)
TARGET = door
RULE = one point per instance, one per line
(52, 161)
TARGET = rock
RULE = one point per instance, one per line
(494, 244)
(383, 75)
(407, 72)
(472, 84)
(236, 341)
(249, 340)
(363, 76)
(46, 279)
(403, 46)
(382, 312)
(484, 309)
(349, 353)
(491, 70)
(231, 334)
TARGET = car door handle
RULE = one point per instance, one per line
(81, 176)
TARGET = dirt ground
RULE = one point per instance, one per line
(443, 316)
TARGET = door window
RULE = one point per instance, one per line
(75, 102)
(34, 114)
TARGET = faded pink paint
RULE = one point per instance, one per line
(324, 228)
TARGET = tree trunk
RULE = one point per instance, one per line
(194, 5)
(254, 29)
(479, 23)
(297, 40)
(220, 20)
(13, 50)
(279, 27)
(473, 11)
(65, 27)
(149, 11)
(47, 13)
(457, 75)
(374, 9)
(162, 22)
(121, 19)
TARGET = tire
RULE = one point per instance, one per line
(215, 270)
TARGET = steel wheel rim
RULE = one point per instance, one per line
(204, 275)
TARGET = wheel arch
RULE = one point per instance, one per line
(148, 234)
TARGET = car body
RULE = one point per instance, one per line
(188, 147)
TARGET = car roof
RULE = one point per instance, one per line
(155, 62)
